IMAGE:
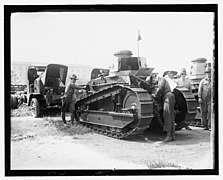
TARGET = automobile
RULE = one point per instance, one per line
(45, 87)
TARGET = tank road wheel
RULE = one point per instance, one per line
(35, 108)
(129, 100)
(77, 115)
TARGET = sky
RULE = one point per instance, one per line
(170, 40)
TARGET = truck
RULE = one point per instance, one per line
(45, 87)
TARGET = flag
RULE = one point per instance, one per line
(139, 36)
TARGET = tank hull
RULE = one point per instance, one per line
(111, 110)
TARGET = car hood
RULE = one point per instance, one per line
(55, 71)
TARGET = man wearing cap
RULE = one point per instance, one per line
(204, 95)
(69, 98)
(167, 99)
(182, 81)
(180, 102)
(169, 76)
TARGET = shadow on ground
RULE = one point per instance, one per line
(194, 136)
(52, 119)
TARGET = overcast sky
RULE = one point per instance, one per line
(169, 40)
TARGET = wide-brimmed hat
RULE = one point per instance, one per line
(167, 72)
(183, 71)
(208, 68)
(73, 76)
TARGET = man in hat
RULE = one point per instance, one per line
(182, 81)
(69, 98)
(180, 102)
(169, 76)
(167, 99)
(204, 95)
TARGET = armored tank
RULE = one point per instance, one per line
(120, 102)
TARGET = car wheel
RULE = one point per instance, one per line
(35, 108)
(14, 102)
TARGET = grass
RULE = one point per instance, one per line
(70, 130)
(159, 163)
(44, 126)
(22, 111)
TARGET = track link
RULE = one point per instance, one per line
(108, 131)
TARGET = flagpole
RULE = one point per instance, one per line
(139, 38)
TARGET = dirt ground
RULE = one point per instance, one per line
(44, 143)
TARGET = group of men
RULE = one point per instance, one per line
(164, 94)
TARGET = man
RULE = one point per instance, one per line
(166, 97)
(181, 104)
(204, 98)
(182, 81)
(69, 98)
(169, 76)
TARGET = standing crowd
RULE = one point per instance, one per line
(167, 88)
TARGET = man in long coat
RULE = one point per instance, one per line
(167, 99)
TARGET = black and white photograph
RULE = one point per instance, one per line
(111, 89)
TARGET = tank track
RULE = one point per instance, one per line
(109, 131)
(141, 124)
(196, 124)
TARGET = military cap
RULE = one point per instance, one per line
(73, 76)
(167, 72)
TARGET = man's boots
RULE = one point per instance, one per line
(168, 137)
(173, 135)
(63, 118)
(72, 118)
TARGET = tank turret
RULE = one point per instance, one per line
(123, 54)
(124, 62)
(198, 68)
(197, 73)
(119, 73)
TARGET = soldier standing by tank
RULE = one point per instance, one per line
(167, 99)
(69, 98)
(182, 81)
(204, 98)
(169, 76)
(180, 101)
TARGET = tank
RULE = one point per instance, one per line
(197, 73)
(120, 103)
